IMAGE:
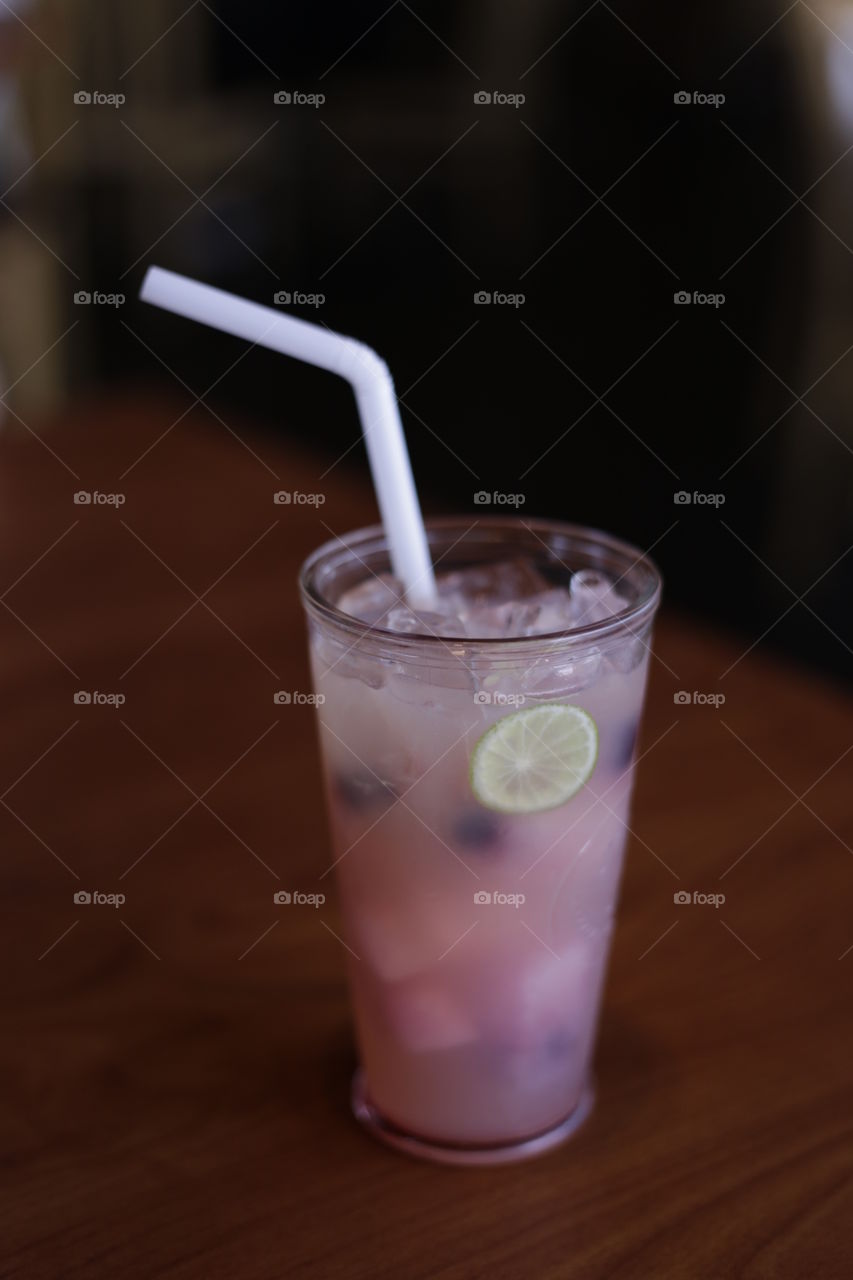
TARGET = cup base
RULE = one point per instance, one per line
(457, 1154)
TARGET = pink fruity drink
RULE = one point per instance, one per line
(479, 763)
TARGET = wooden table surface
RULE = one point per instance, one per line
(175, 1068)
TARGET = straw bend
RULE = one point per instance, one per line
(360, 364)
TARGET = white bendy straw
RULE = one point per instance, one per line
(371, 381)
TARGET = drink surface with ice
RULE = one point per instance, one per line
(477, 901)
(497, 601)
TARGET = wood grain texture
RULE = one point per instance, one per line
(175, 1070)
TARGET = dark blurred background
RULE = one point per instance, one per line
(626, 155)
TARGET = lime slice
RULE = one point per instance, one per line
(534, 759)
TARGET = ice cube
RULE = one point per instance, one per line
(533, 992)
(551, 678)
(493, 583)
(555, 612)
(372, 598)
(514, 618)
(583, 900)
(407, 621)
(402, 935)
(393, 942)
(426, 1015)
(443, 687)
(343, 660)
(592, 902)
(629, 653)
(488, 601)
(594, 597)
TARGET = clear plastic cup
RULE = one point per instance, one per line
(478, 940)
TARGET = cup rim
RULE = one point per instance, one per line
(349, 545)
